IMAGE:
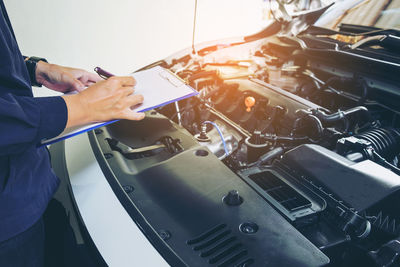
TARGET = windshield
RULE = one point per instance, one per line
(383, 14)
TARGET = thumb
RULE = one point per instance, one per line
(135, 116)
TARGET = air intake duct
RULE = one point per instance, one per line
(383, 141)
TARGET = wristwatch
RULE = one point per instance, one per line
(31, 65)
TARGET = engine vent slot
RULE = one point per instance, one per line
(220, 247)
(280, 191)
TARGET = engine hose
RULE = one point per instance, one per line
(328, 83)
(300, 123)
(220, 134)
(340, 116)
(385, 141)
(267, 157)
(277, 138)
(378, 158)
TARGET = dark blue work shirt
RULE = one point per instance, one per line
(27, 181)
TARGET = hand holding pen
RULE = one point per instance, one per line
(106, 100)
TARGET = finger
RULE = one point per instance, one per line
(92, 77)
(134, 100)
(83, 78)
(123, 80)
(131, 115)
(127, 91)
(128, 81)
(89, 84)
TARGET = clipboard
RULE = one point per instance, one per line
(158, 86)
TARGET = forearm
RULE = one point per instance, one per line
(26, 121)
(78, 112)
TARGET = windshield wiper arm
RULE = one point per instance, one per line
(366, 30)
(385, 41)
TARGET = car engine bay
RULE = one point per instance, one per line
(288, 156)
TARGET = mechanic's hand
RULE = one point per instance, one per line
(64, 79)
(106, 100)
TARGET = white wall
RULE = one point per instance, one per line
(123, 35)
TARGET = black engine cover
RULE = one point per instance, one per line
(177, 201)
(361, 185)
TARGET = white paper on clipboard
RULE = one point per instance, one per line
(158, 86)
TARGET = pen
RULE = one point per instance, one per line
(102, 73)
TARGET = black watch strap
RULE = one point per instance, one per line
(31, 65)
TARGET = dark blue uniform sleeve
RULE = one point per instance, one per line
(25, 121)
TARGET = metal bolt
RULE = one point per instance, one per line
(128, 188)
(248, 228)
(108, 155)
(164, 234)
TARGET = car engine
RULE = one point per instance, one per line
(288, 156)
